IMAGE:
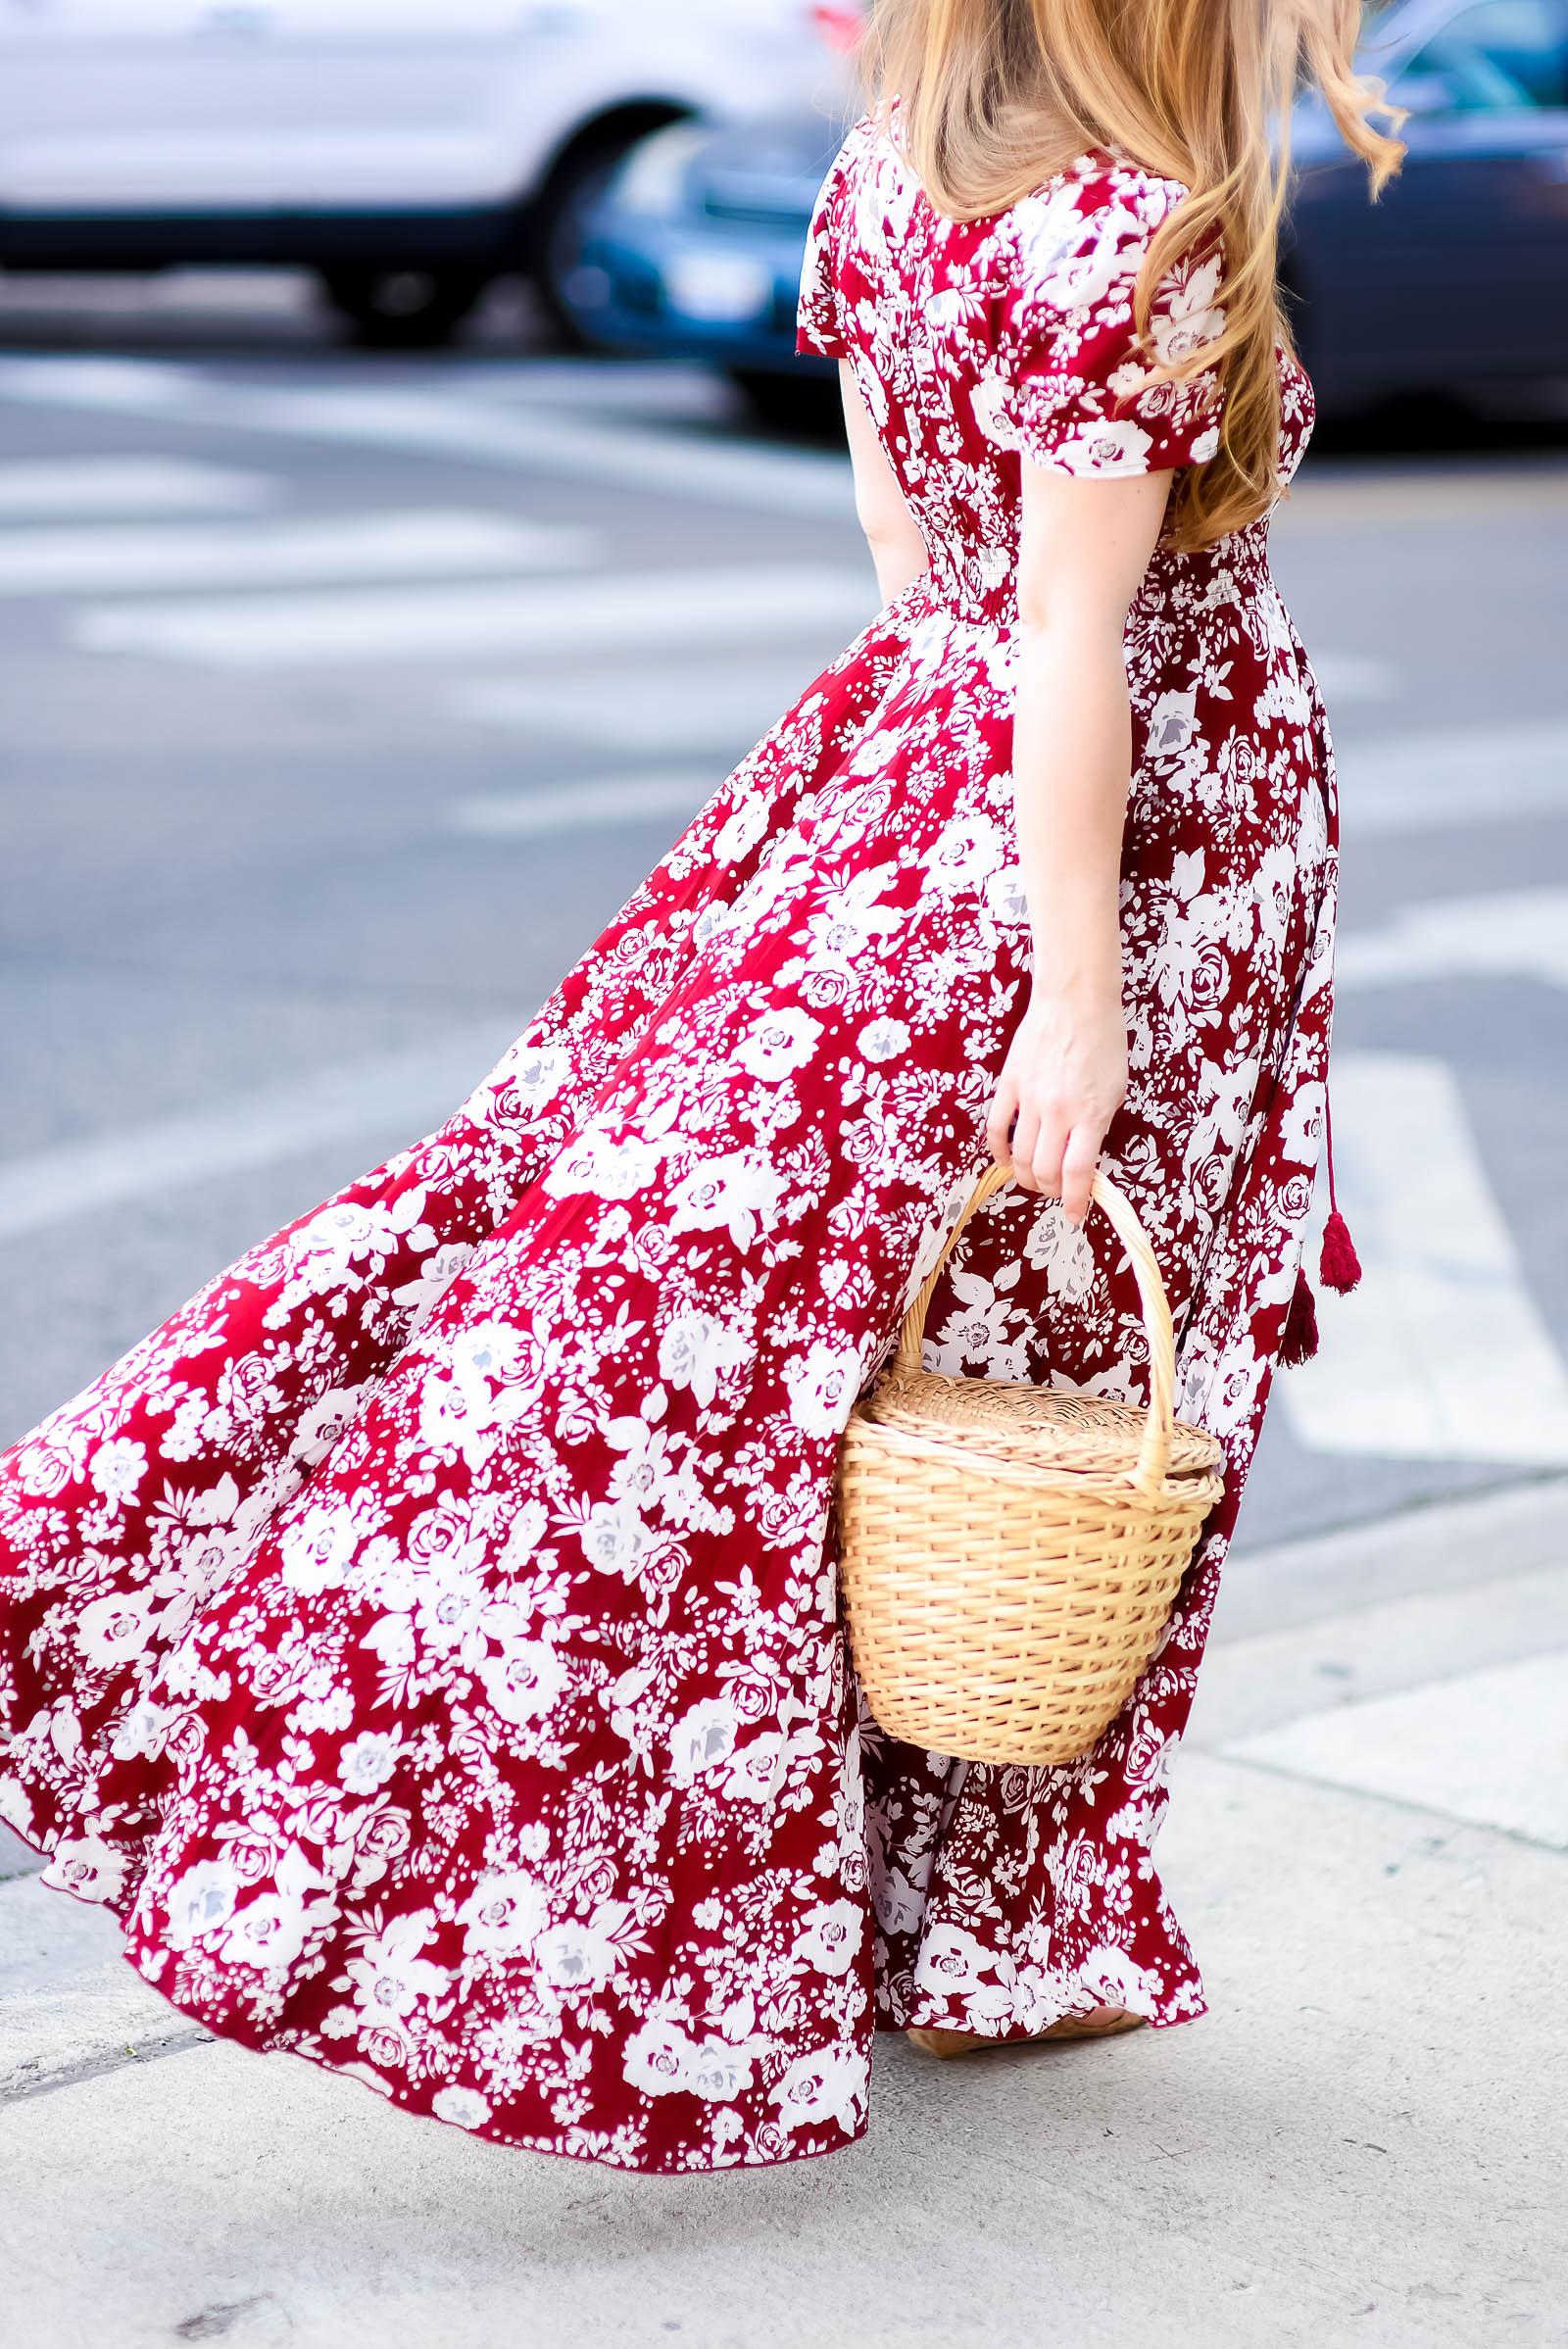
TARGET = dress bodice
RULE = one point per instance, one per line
(977, 342)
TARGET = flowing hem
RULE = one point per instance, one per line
(261, 2044)
(1156, 2013)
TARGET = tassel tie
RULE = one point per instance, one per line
(1338, 1268)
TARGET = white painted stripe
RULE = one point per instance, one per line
(111, 485)
(1523, 935)
(681, 706)
(415, 1090)
(695, 707)
(1462, 775)
(1354, 677)
(787, 480)
(1441, 1354)
(582, 806)
(1457, 1545)
(1490, 1747)
(149, 386)
(420, 543)
(1250, 1685)
(673, 390)
(396, 623)
(796, 481)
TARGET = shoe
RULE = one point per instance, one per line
(1101, 2024)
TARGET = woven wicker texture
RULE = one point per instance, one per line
(1009, 1556)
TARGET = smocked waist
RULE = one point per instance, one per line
(1196, 594)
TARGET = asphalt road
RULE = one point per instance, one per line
(346, 698)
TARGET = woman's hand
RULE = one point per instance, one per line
(1061, 1084)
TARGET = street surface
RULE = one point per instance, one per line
(345, 699)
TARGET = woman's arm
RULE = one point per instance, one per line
(898, 550)
(1083, 550)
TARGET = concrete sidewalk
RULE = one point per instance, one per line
(1363, 2143)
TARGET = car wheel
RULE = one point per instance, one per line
(403, 310)
(806, 404)
(561, 221)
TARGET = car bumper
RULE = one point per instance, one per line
(687, 291)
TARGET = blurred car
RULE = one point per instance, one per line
(1459, 279)
(696, 248)
(408, 150)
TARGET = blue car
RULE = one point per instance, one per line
(695, 252)
(1457, 281)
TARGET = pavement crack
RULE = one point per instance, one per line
(25, 2083)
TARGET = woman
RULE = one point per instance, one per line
(425, 1642)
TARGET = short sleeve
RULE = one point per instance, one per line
(1077, 389)
(817, 325)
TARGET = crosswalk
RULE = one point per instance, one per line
(639, 708)
(451, 590)
(1442, 1352)
(104, 486)
(532, 619)
(653, 679)
(488, 618)
(581, 806)
(146, 559)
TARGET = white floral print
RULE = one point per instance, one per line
(426, 1641)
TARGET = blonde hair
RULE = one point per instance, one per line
(996, 95)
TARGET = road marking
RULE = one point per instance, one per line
(1380, 1647)
(1490, 1747)
(1522, 935)
(582, 806)
(801, 482)
(109, 486)
(794, 481)
(1463, 775)
(422, 542)
(672, 391)
(696, 706)
(680, 706)
(416, 1089)
(148, 386)
(798, 481)
(398, 623)
(1441, 1354)
(1354, 677)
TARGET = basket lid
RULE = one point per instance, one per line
(1044, 1427)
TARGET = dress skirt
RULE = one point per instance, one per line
(426, 1642)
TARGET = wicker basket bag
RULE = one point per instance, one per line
(1009, 1554)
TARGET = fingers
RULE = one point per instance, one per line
(998, 1124)
(1079, 1159)
(1048, 1154)
(1044, 1150)
(1025, 1144)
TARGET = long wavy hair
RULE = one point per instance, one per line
(995, 96)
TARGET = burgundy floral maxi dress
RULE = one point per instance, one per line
(426, 1642)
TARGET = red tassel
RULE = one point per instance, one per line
(1300, 1341)
(1339, 1266)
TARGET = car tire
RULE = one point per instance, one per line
(560, 216)
(403, 310)
(803, 404)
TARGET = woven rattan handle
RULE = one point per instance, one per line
(1154, 1456)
